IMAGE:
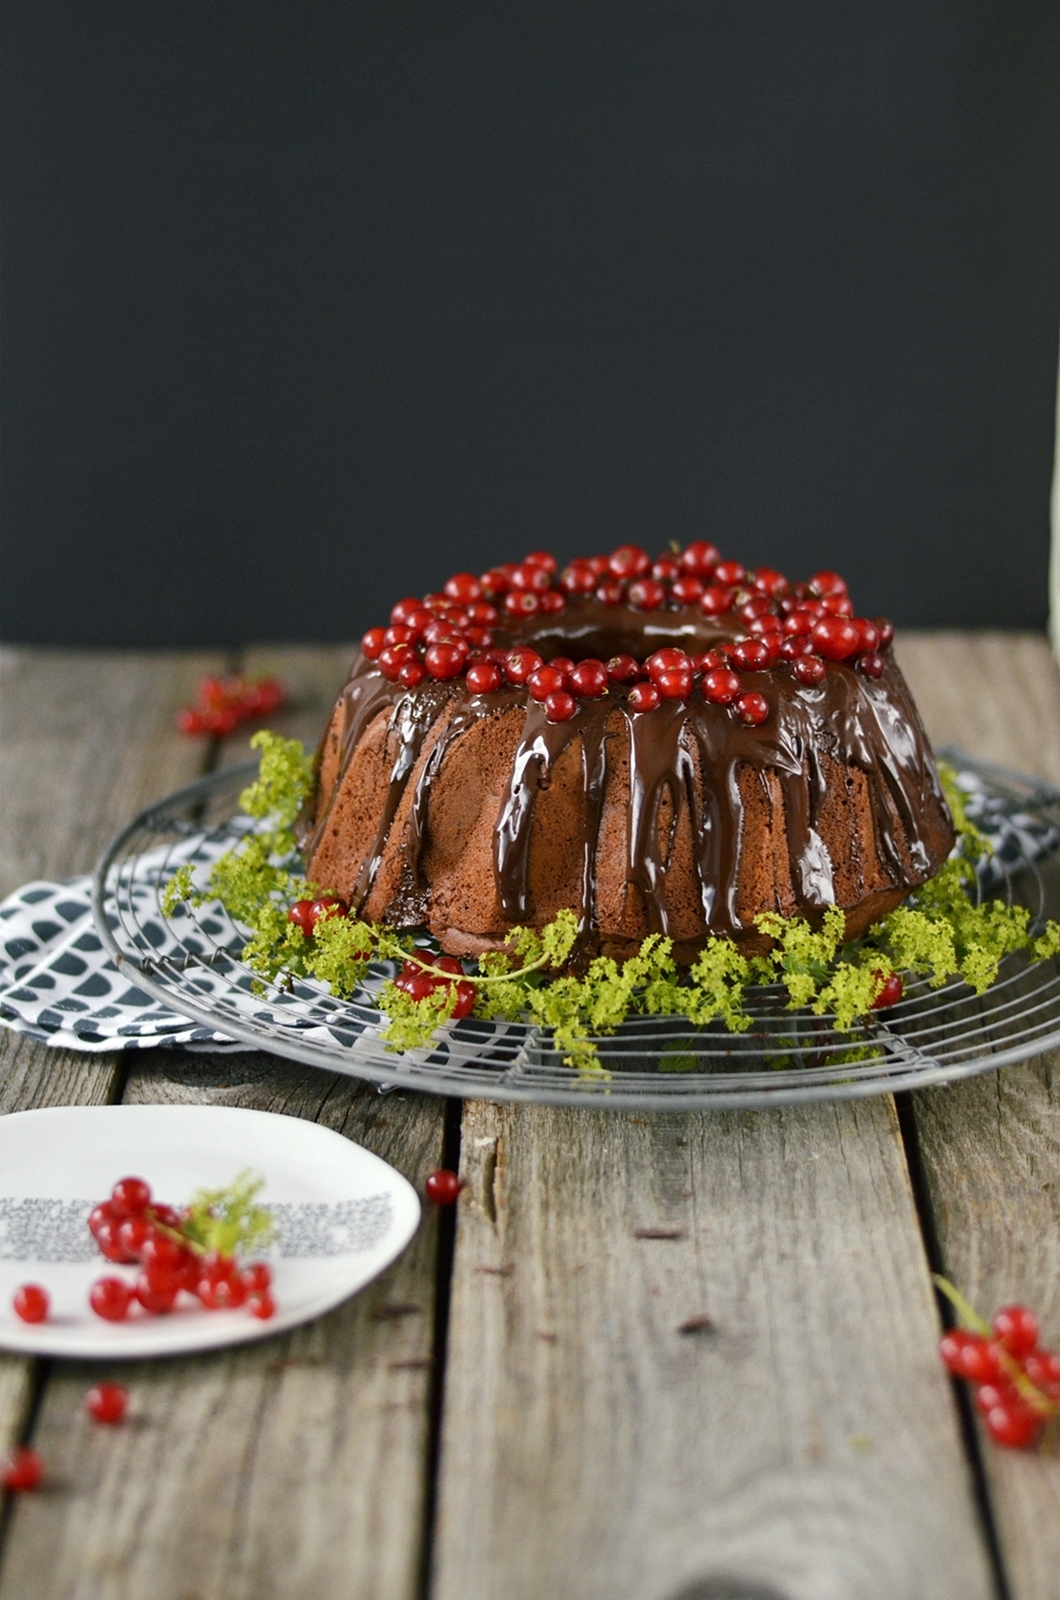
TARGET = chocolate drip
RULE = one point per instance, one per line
(692, 752)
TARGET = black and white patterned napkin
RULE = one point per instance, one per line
(58, 984)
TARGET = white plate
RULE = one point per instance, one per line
(343, 1215)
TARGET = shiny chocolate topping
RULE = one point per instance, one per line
(689, 750)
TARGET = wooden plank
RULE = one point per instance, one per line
(990, 1147)
(995, 694)
(296, 1468)
(601, 1439)
(313, 676)
(88, 738)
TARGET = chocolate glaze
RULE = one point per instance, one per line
(691, 751)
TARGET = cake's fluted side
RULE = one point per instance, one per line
(471, 814)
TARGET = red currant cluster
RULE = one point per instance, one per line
(418, 982)
(305, 914)
(223, 703)
(1017, 1384)
(132, 1230)
(449, 635)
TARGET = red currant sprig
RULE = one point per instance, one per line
(223, 703)
(1017, 1382)
(132, 1230)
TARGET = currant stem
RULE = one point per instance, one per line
(969, 1317)
(485, 977)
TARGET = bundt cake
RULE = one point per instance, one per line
(670, 746)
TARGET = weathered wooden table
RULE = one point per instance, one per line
(513, 1412)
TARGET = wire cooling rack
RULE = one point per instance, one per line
(191, 962)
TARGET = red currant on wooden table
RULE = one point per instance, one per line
(31, 1302)
(442, 1186)
(23, 1470)
(107, 1402)
(1017, 1383)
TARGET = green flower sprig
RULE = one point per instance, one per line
(938, 934)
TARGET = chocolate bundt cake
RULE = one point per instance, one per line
(667, 747)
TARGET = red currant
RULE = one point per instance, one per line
(629, 561)
(392, 659)
(589, 679)
(665, 569)
(885, 630)
(716, 600)
(257, 1277)
(611, 592)
(823, 583)
(411, 673)
(667, 660)
(759, 605)
(328, 905)
(624, 669)
(1043, 1369)
(131, 1235)
(261, 1305)
(495, 582)
(560, 706)
(1016, 1330)
(643, 697)
(129, 1197)
(446, 661)
(890, 993)
(108, 1238)
(751, 655)
(729, 574)
(442, 1186)
(767, 580)
(161, 1254)
(870, 665)
(31, 1302)
(156, 1292)
(752, 709)
(551, 602)
(544, 681)
(405, 609)
(699, 558)
(191, 721)
(810, 671)
(969, 1355)
(720, 686)
(686, 590)
(1016, 1426)
(399, 634)
(221, 1294)
(107, 1402)
(527, 576)
(100, 1214)
(541, 558)
(647, 594)
(835, 638)
(110, 1299)
(483, 677)
(23, 1469)
(578, 578)
(373, 642)
(519, 664)
(673, 684)
(464, 587)
(521, 603)
(301, 914)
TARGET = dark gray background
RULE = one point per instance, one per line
(306, 306)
